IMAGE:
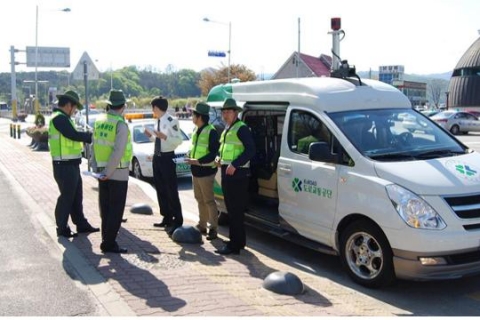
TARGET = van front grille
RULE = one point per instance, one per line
(462, 258)
(465, 207)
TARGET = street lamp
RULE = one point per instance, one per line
(36, 55)
(229, 24)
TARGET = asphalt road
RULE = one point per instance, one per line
(35, 279)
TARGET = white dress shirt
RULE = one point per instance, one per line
(171, 128)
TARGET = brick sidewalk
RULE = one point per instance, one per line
(159, 277)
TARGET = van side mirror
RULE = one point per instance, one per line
(320, 151)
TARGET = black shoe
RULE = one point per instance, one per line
(114, 249)
(124, 220)
(67, 233)
(87, 229)
(172, 229)
(225, 250)
(161, 224)
(212, 234)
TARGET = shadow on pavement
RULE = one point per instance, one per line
(130, 271)
(196, 252)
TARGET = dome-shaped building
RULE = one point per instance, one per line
(464, 87)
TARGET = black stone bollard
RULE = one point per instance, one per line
(283, 283)
(19, 130)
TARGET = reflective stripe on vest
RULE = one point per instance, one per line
(200, 144)
(105, 134)
(62, 148)
(230, 146)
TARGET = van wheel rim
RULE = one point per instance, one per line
(364, 255)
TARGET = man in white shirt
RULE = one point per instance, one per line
(167, 137)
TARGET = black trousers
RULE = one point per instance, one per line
(70, 201)
(235, 194)
(165, 179)
(112, 196)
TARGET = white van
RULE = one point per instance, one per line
(337, 169)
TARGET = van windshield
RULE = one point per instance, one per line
(396, 135)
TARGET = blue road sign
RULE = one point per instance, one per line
(216, 53)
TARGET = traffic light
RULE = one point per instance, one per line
(50, 97)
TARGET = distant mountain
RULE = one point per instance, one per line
(445, 76)
(374, 74)
(264, 76)
(411, 77)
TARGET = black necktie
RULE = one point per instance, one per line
(158, 147)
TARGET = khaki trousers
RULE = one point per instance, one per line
(207, 208)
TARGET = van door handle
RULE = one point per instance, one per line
(284, 168)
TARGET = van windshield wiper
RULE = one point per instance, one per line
(392, 157)
(440, 153)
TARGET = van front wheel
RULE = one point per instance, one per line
(366, 254)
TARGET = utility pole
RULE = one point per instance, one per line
(13, 83)
(298, 52)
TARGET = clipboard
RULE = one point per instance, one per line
(152, 133)
(94, 174)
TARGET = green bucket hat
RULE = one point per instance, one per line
(72, 96)
(202, 108)
(117, 98)
(231, 104)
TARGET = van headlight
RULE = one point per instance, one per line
(415, 211)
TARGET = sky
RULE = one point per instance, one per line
(425, 36)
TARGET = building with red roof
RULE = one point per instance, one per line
(302, 65)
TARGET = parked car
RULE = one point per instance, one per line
(474, 112)
(141, 165)
(413, 122)
(457, 121)
(431, 113)
(81, 116)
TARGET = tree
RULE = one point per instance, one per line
(211, 77)
(437, 88)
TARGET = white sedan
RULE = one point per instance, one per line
(141, 165)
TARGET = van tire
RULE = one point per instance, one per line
(366, 254)
(222, 218)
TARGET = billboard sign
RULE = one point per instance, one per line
(50, 57)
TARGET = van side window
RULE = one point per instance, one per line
(304, 129)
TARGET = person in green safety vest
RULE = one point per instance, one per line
(237, 148)
(112, 153)
(65, 144)
(201, 157)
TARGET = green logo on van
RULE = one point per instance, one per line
(297, 185)
(310, 186)
(466, 170)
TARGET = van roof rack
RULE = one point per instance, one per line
(345, 71)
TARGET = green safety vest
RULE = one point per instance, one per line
(200, 142)
(104, 136)
(62, 148)
(230, 146)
